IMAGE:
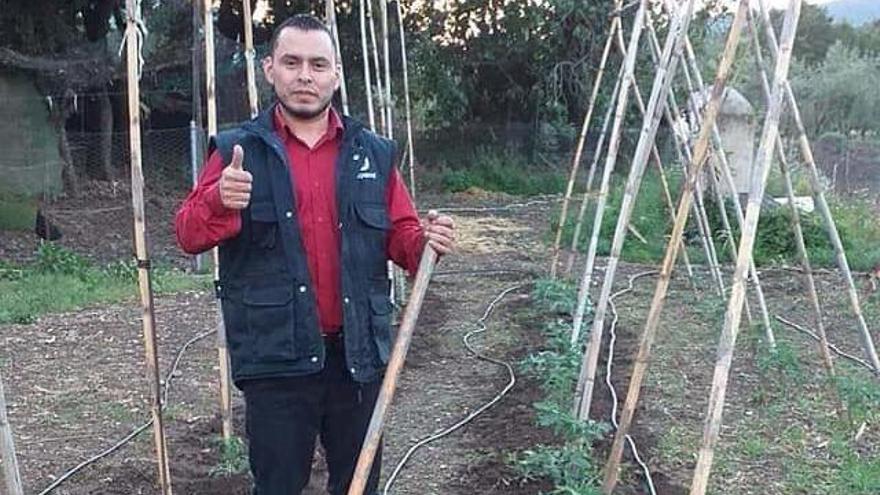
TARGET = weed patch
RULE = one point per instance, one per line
(61, 280)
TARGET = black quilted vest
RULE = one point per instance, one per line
(269, 307)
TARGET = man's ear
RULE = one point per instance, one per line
(267, 70)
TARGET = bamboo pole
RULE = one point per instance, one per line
(655, 153)
(822, 204)
(411, 154)
(386, 57)
(253, 99)
(664, 75)
(700, 154)
(610, 161)
(600, 144)
(11, 474)
(330, 12)
(722, 158)
(753, 211)
(579, 149)
(133, 53)
(810, 283)
(368, 85)
(376, 65)
(725, 169)
(222, 350)
(373, 436)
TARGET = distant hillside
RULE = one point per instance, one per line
(855, 12)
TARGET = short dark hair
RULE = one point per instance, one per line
(303, 22)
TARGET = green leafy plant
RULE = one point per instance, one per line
(233, 457)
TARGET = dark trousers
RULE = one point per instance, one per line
(284, 416)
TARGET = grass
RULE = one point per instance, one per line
(60, 280)
(493, 168)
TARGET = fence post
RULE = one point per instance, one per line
(194, 156)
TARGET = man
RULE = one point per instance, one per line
(307, 207)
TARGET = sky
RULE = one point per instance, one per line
(784, 3)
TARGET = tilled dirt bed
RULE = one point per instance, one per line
(76, 384)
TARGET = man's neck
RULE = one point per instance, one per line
(308, 131)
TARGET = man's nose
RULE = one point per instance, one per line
(305, 73)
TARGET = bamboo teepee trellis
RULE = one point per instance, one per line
(753, 210)
(700, 155)
(662, 83)
(781, 91)
(627, 78)
(819, 197)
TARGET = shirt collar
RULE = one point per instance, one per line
(334, 126)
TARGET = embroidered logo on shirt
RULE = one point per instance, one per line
(364, 171)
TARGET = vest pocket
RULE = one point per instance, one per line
(373, 216)
(264, 224)
(271, 321)
(380, 325)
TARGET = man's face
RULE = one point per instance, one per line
(303, 71)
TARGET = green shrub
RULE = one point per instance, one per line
(650, 218)
(499, 170)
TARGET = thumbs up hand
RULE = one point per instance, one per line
(235, 182)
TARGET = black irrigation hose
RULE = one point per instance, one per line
(614, 402)
(137, 431)
(481, 324)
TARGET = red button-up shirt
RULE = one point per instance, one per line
(202, 221)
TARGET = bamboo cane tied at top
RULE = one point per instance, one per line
(368, 85)
(133, 53)
(11, 474)
(373, 436)
(410, 146)
(664, 76)
(683, 145)
(684, 153)
(597, 155)
(655, 153)
(222, 351)
(579, 149)
(249, 54)
(732, 317)
(610, 161)
(377, 66)
(809, 280)
(821, 202)
(330, 12)
(724, 166)
(700, 155)
(386, 58)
